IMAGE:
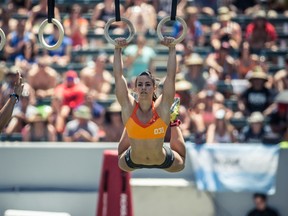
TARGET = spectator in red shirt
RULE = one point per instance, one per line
(71, 91)
(260, 33)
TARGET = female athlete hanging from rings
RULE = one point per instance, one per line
(147, 118)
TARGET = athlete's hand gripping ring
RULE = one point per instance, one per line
(41, 34)
(164, 20)
(3, 39)
(130, 26)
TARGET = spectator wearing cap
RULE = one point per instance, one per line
(113, 123)
(194, 72)
(221, 64)
(221, 131)
(71, 92)
(81, 128)
(43, 79)
(256, 130)
(97, 78)
(225, 30)
(183, 89)
(39, 129)
(260, 33)
(195, 34)
(257, 97)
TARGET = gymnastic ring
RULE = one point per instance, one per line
(164, 20)
(3, 39)
(130, 26)
(41, 34)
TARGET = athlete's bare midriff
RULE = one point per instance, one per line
(149, 153)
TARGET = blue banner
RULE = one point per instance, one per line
(235, 167)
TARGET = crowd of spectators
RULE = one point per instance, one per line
(229, 94)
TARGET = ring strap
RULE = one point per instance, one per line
(173, 10)
(51, 6)
(117, 11)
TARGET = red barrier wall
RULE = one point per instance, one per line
(115, 197)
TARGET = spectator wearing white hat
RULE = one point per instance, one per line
(113, 123)
(257, 97)
(194, 73)
(221, 131)
(81, 128)
(225, 30)
(256, 130)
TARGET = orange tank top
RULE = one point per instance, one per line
(154, 129)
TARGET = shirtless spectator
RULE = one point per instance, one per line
(43, 79)
(225, 30)
(142, 15)
(97, 78)
(260, 33)
(221, 64)
(38, 14)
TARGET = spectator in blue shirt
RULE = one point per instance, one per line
(62, 55)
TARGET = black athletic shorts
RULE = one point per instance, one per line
(166, 164)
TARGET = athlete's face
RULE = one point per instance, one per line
(145, 87)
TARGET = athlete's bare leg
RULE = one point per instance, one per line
(177, 144)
